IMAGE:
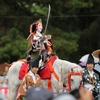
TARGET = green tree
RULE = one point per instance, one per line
(12, 46)
(73, 24)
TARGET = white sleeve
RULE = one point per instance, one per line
(36, 38)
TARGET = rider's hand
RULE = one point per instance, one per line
(48, 36)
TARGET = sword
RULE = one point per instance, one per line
(46, 26)
(47, 19)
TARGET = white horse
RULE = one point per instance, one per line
(61, 68)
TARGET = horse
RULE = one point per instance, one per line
(61, 67)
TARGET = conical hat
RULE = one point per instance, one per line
(90, 59)
(96, 53)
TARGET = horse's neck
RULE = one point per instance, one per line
(65, 68)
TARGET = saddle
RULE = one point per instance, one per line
(45, 73)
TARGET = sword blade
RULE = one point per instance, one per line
(45, 28)
(47, 19)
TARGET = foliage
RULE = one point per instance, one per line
(73, 24)
(13, 46)
(65, 43)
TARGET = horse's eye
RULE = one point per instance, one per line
(72, 80)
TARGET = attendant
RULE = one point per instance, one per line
(30, 79)
(90, 78)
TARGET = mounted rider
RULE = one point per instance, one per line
(35, 37)
(39, 42)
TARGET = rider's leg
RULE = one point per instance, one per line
(44, 56)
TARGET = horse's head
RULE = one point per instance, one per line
(74, 80)
(75, 77)
(64, 69)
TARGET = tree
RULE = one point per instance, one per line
(13, 46)
(71, 22)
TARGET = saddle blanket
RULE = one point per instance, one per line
(46, 72)
(23, 70)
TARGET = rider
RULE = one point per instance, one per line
(35, 36)
(36, 40)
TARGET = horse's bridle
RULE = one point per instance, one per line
(69, 79)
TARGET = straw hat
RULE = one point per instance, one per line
(96, 53)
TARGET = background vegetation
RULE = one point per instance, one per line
(74, 26)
